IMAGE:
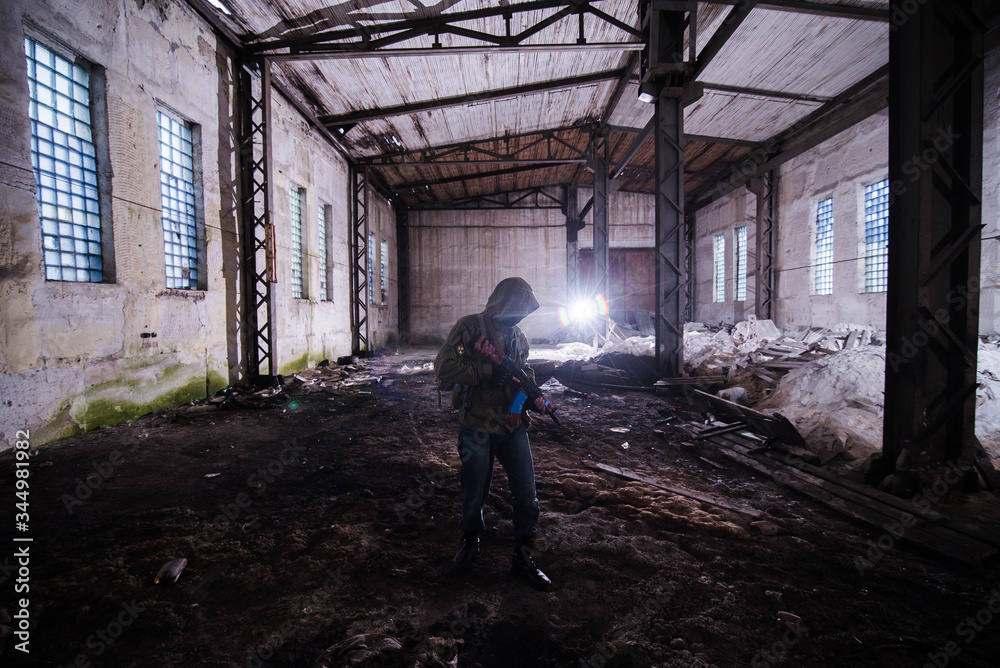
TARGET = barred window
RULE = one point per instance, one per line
(296, 211)
(180, 234)
(324, 294)
(64, 160)
(383, 271)
(741, 263)
(877, 237)
(719, 284)
(824, 248)
(371, 269)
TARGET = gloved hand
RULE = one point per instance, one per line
(543, 405)
(486, 349)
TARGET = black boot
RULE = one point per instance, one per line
(524, 564)
(470, 548)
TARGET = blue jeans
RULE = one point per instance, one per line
(477, 450)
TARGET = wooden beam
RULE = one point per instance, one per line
(763, 92)
(803, 7)
(442, 103)
(468, 177)
(381, 158)
(332, 53)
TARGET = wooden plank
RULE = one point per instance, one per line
(764, 375)
(930, 526)
(862, 514)
(674, 489)
(929, 514)
(852, 339)
(644, 320)
(775, 426)
(985, 467)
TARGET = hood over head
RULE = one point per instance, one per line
(511, 301)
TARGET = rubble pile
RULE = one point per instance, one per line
(835, 402)
(988, 397)
(333, 379)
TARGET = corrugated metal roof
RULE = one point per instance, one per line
(782, 51)
(800, 53)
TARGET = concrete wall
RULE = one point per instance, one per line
(632, 224)
(72, 355)
(839, 168)
(723, 217)
(309, 329)
(458, 257)
(989, 299)
(384, 313)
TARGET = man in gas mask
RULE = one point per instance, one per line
(483, 393)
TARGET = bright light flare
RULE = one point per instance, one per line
(583, 311)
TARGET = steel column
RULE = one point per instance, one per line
(766, 189)
(602, 214)
(662, 74)
(360, 326)
(935, 172)
(258, 322)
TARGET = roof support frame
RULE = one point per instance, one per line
(819, 9)
(446, 154)
(539, 197)
(468, 177)
(336, 121)
(858, 102)
(332, 41)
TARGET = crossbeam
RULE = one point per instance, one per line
(363, 35)
(336, 121)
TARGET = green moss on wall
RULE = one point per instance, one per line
(295, 365)
(127, 398)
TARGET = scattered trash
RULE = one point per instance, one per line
(737, 395)
(625, 445)
(170, 571)
(427, 368)
(620, 430)
(793, 623)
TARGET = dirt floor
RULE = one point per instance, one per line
(321, 533)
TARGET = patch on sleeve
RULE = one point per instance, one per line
(460, 349)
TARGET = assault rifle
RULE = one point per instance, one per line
(527, 391)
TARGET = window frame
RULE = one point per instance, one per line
(383, 271)
(740, 258)
(300, 252)
(97, 106)
(371, 264)
(864, 245)
(198, 188)
(719, 268)
(822, 282)
(324, 213)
